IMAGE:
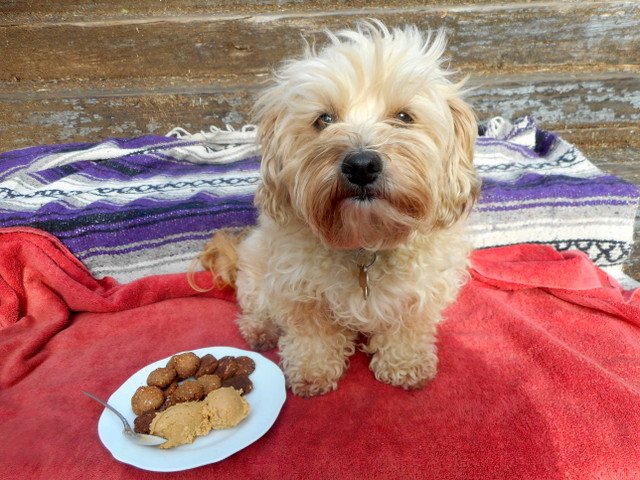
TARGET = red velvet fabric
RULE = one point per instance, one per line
(539, 376)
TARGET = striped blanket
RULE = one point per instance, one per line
(130, 208)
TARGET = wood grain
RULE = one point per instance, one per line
(59, 120)
(28, 11)
(632, 265)
(530, 38)
(562, 101)
(559, 102)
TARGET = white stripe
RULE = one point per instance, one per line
(90, 193)
(504, 236)
(557, 224)
(599, 198)
(155, 266)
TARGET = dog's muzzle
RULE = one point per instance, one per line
(361, 168)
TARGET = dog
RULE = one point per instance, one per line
(367, 178)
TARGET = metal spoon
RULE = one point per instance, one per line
(130, 433)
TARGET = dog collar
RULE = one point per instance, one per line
(364, 260)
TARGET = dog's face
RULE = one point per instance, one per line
(367, 141)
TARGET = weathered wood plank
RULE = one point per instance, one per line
(563, 101)
(61, 120)
(621, 160)
(557, 37)
(615, 143)
(632, 266)
(582, 107)
(27, 11)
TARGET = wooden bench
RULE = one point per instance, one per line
(75, 70)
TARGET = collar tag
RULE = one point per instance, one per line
(364, 260)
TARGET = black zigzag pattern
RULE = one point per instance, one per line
(8, 193)
(570, 157)
(601, 252)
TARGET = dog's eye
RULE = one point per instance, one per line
(323, 120)
(404, 117)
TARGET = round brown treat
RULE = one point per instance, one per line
(208, 365)
(239, 382)
(185, 364)
(209, 383)
(168, 402)
(142, 422)
(171, 388)
(146, 399)
(226, 367)
(246, 365)
(161, 377)
(189, 391)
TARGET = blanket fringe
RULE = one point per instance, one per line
(218, 136)
(223, 145)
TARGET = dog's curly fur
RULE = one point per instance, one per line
(376, 90)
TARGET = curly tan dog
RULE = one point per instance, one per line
(367, 178)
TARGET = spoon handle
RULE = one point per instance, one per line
(124, 420)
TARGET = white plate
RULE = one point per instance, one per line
(265, 402)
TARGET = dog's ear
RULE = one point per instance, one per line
(460, 185)
(272, 197)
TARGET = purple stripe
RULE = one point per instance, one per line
(41, 150)
(147, 140)
(520, 127)
(112, 225)
(533, 186)
(83, 255)
(162, 228)
(58, 215)
(59, 210)
(26, 156)
(483, 143)
(144, 165)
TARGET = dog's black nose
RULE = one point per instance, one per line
(362, 168)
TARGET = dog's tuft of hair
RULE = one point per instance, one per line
(368, 82)
(367, 146)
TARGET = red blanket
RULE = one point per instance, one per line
(539, 376)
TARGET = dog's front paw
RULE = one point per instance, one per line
(313, 366)
(310, 387)
(308, 376)
(411, 372)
